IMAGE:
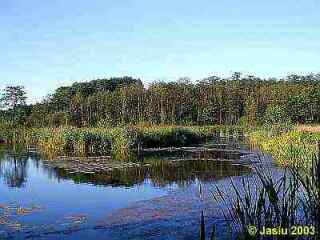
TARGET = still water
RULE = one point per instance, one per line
(156, 200)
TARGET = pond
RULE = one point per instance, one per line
(156, 198)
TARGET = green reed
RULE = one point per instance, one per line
(268, 201)
(121, 142)
(292, 148)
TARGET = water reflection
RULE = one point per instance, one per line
(13, 166)
(58, 193)
(160, 171)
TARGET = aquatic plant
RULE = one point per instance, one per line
(268, 201)
(310, 183)
(121, 142)
(292, 148)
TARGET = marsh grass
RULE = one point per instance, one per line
(122, 143)
(310, 183)
(308, 128)
(266, 200)
(289, 149)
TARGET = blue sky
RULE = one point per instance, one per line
(46, 44)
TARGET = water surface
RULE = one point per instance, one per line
(39, 201)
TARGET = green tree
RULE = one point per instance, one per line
(275, 114)
(14, 99)
(276, 119)
(250, 108)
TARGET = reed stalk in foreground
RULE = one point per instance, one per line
(267, 200)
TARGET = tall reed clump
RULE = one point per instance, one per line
(50, 141)
(121, 142)
(310, 183)
(178, 136)
(75, 141)
(293, 148)
(168, 137)
(11, 135)
(269, 201)
(124, 141)
(87, 141)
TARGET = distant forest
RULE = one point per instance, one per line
(213, 100)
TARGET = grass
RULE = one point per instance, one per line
(308, 128)
(289, 200)
(270, 201)
(177, 136)
(121, 142)
(293, 148)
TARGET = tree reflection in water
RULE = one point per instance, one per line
(159, 170)
(13, 166)
(160, 173)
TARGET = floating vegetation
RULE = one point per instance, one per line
(87, 165)
(9, 216)
(75, 219)
(161, 172)
(11, 226)
(195, 164)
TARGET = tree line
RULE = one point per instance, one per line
(213, 100)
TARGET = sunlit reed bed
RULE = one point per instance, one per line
(308, 128)
(292, 148)
(121, 142)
